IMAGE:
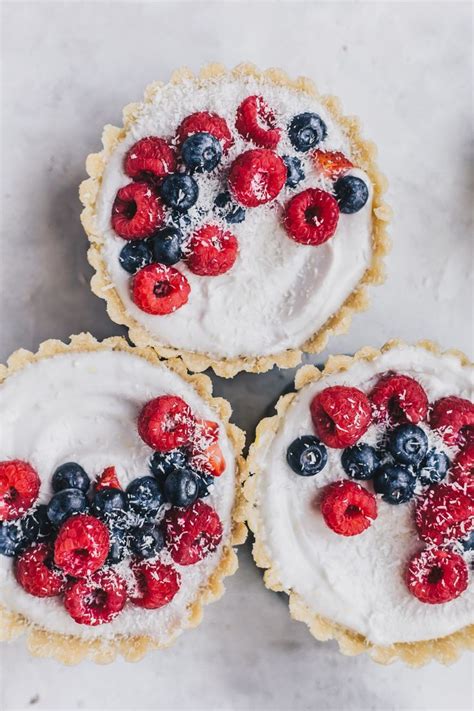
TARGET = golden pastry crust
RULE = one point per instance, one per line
(68, 648)
(445, 649)
(364, 153)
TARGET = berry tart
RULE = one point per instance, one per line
(361, 497)
(235, 220)
(119, 499)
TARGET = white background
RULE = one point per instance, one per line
(68, 68)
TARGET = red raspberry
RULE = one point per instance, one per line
(206, 455)
(149, 157)
(192, 533)
(256, 177)
(96, 600)
(311, 217)
(36, 574)
(107, 480)
(165, 423)
(160, 290)
(212, 251)
(436, 576)
(399, 399)
(347, 508)
(256, 122)
(462, 469)
(445, 514)
(82, 545)
(331, 164)
(19, 487)
(205, 122)
(454, 418)
(157, 583)
(341, 415)
(137, 211)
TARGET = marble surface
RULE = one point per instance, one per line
(68, 68)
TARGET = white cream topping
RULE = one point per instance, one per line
(356, 581)
(83, 407)
(278, 293)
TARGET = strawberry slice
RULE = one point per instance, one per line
(332, 164)
(107, 480)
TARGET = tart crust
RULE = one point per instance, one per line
(444, 649)
(70, 649)
(365, 155)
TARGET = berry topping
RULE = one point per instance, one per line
(149, 158)
(96, 600)
(179, 191)
(434, 467)
(35, 572)
(341, 415)
(399, 399)
(351, 194)
(468, 543)
(306, 131)
(294, 171)
(17, 535)
(109, 503)
(160, 290)
(135, 255)
(437, 576)
(212, 251)
(205, 122)
(147, 540)
(166, 246)
(38, 521)
(307, 456)
(210, 459)
(255, 122)
(201, 152)
(81, 546)
(66, 503)
(206, 485)
(445, 514)
(332, 164)
(164, 463)
(19, 487)
(311, 217)
(360, 461)
(166, 423)
(118, 544)
(70, 476)
(137, 211)
(192, 533)
(408, 444)
(453, 417)
(256, 177)
(144, 495)
(228, 209)
(181, 487)
(107, 480)
(395, 482)
(156, 583)
(347, 508)
(462, 471)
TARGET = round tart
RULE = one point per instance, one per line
(235, 219)
(361, 499)
(118, 499)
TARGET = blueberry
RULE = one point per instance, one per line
(40, 517)
(395, 482)
(351, 194)
(230, 211)
(110, 502)
(468, 543)
(307, 456)
(144, 495)
(118, 545)
(70, 476)
(135, 255)
(166, 245)
(294, 171)
(66, 503)
(17, 535)
(163, 463)
(360, 461)
(306, 131)
(201, 152)
(182, 487)
(180, 220)
(146, 540)
(434, 467)
(206, 482)
(179, 191)
(408, 444)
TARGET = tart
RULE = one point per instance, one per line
(119, 499)
(361, 497)
(235, 220)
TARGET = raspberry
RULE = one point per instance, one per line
(19, 487)
(192, 533)
(212, 251)
(436, 576)
(36, 574)
(311, 217)
(445, 514)
(165, 423)
(149, 158)
(462, 470)
(205, 122)
(454, 418)
(331, 164)
(96, 600)
(341, 415)
(107, 480)
(137, 211)
(157, 583)
(399, 399)
(160, 290)
(82, 545)
(255, 121)
(347, 508)
(256, 177)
